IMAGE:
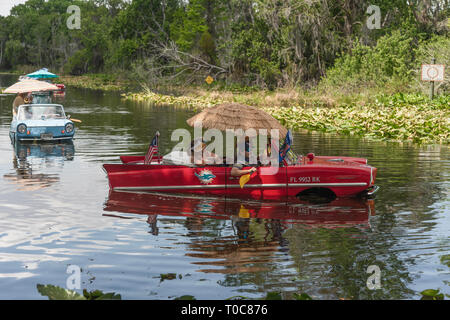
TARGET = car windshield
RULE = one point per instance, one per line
(40, 112)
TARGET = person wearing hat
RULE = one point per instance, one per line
(18, 101)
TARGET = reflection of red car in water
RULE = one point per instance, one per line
(62, 91)
(336, 176)
(340, 212)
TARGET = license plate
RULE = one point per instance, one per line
(46, 136)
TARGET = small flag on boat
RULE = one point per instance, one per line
(244, 179)
(152, 149)
(286, 146)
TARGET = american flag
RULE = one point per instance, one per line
(152, 149)
(286, 146)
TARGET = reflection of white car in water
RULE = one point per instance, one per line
(44, 122)
(42, 152)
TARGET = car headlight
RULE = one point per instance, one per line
(69, 127)
(21, 128)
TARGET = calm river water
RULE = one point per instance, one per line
(56, 211)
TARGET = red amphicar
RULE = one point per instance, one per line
(288, 176)
(325, 175)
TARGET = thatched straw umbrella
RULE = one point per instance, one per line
(237, 116)
(31, 86)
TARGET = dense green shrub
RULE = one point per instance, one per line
(15, 52)
(78, 63)
(393, 58)
(122, 54)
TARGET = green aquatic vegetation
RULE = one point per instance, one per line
(445, 259)
(302, 296)
(399, 117)
(163, 99)
(99, 295)
(58, 293)
(440, 102)
(432, 294)
(272, 295)
(169, 276)
(186, 297)
(96, 82)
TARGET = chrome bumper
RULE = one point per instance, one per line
(371, 191)
(39, 139)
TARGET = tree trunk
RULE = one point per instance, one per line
(1, 52)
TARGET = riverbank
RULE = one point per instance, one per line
(399, 117)
(374, 114)
(103, 82)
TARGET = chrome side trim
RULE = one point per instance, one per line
(215, 186)
(267, 185)
(337, 184)
(223, 186)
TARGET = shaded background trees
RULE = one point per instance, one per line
(268, 43)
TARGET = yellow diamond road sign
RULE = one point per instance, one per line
(209, 79)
